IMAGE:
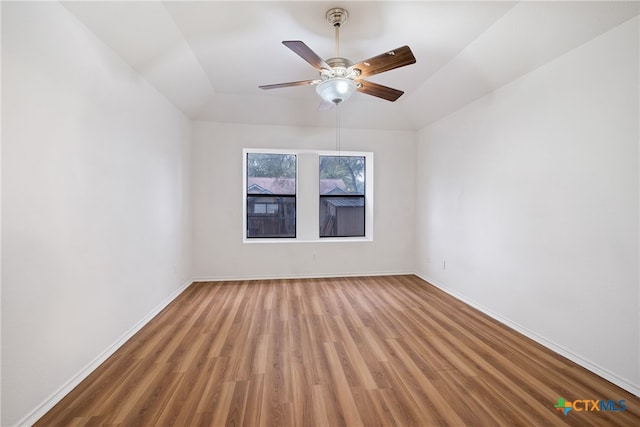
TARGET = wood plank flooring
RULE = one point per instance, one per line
(365, 351)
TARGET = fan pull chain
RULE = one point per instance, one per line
(338, 129)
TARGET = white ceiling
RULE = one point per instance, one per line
(208, 57)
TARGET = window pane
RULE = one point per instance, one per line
(269, 216)
(342, 175)
(342, 185)
(341, 216)
(271, 173)
(271, 195)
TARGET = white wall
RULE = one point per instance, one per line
(219, 252)
(96, 220)
(531, 194)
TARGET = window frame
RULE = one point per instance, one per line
(308, 196)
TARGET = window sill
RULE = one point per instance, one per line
(319, 240)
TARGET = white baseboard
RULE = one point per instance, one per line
(57, 396)
(593, 367)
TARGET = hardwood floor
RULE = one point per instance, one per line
(366, 351)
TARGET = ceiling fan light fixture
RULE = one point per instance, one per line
(339, 77)
(336, 90)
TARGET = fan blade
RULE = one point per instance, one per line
(384, 62)
(375, 89)
(305, 52)
(279, 85)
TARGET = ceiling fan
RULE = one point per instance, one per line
(339, 77)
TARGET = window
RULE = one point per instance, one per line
(292, 196)
(271, 195)
(342, 196)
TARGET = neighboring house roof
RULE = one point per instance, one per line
(328, 185)
(256, 189)
(269, 185)
(335, 191)
(345, 202)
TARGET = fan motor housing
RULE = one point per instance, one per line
(339, 62)
(340, 67)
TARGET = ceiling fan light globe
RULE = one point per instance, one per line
(336, 90)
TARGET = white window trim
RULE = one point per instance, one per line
(308, 202)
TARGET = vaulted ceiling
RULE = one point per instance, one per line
(208, 58)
